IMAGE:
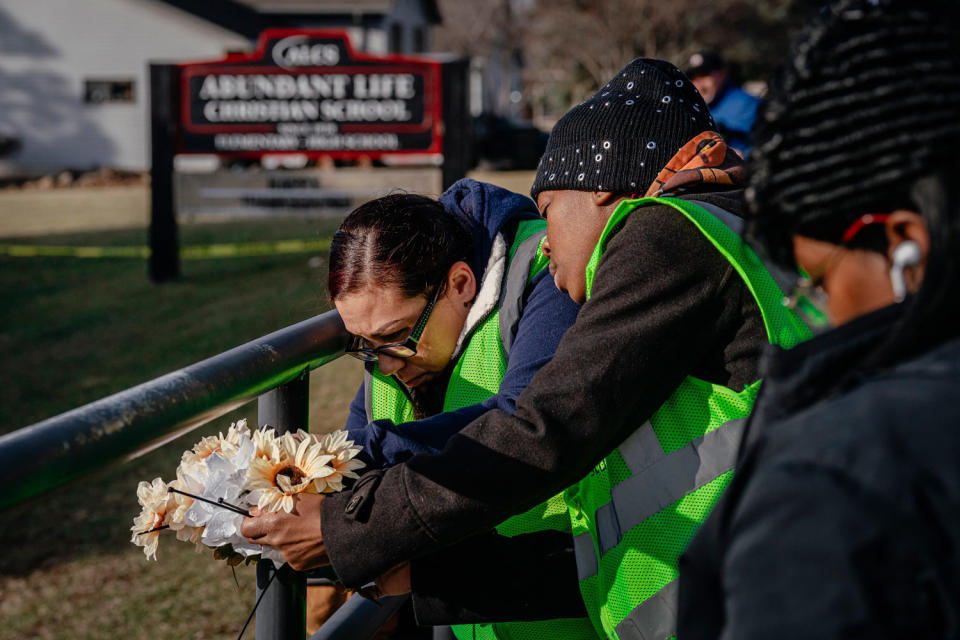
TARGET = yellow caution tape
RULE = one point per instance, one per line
(190, 252)
(30, 251)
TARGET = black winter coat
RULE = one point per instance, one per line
(665, 304)
(843, 520)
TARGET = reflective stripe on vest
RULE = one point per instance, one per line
(514, 284)
(666, 479)
(635, 512)
(654, 619)
(586, 557)
(658, 481)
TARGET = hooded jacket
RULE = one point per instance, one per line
(491, 215)
(844, 517)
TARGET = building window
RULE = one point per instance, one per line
(396, 38)
(102, 91)
(419, 40)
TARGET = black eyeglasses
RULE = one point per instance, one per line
(405, 349)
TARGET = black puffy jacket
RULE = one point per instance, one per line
(844, 518)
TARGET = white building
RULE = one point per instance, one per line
(74, 81)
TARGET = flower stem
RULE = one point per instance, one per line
(160, 528)
(220, 502)
(236, 508)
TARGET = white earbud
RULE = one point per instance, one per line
(907, 254)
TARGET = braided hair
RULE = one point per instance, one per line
(869, 103)
(865, 118)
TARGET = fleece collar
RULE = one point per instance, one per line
(489, 294)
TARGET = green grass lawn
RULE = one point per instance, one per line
(75, 330)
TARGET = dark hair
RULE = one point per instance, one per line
(400, 240)
(869, 103)
(865, 119)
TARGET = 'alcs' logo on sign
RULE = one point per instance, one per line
(296, 52)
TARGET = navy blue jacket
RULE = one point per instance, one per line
(487, 210)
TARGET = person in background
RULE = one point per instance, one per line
(733, 109)
(844, 518)
(637, 416)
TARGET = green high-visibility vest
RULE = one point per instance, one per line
(477, 376)
(635, 512)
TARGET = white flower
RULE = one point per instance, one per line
(240, 469)
(291, 468)
(182, 504)
(157, 506)
(227, 446)
(344, 463)
(218, 478)
(302, 435)
(265, 444)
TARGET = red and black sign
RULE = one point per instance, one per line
(309, 92)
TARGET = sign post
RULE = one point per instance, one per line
(457, 124)
(164, 245)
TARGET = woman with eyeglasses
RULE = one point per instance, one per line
(452, 309)
(844, 518)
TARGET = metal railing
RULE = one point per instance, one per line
(275, 369)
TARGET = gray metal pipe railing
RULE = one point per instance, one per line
(129, 423)
(126, 424)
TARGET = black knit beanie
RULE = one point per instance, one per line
(621, 138)
(868, 103)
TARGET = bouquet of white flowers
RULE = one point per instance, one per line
(222, 476)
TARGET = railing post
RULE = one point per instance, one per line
(282, 612)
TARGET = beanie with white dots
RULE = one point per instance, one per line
(621, 138)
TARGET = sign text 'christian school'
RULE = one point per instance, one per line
(309, 92)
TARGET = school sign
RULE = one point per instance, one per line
(304, 92)
(309, 92)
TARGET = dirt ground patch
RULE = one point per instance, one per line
(36, 212)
